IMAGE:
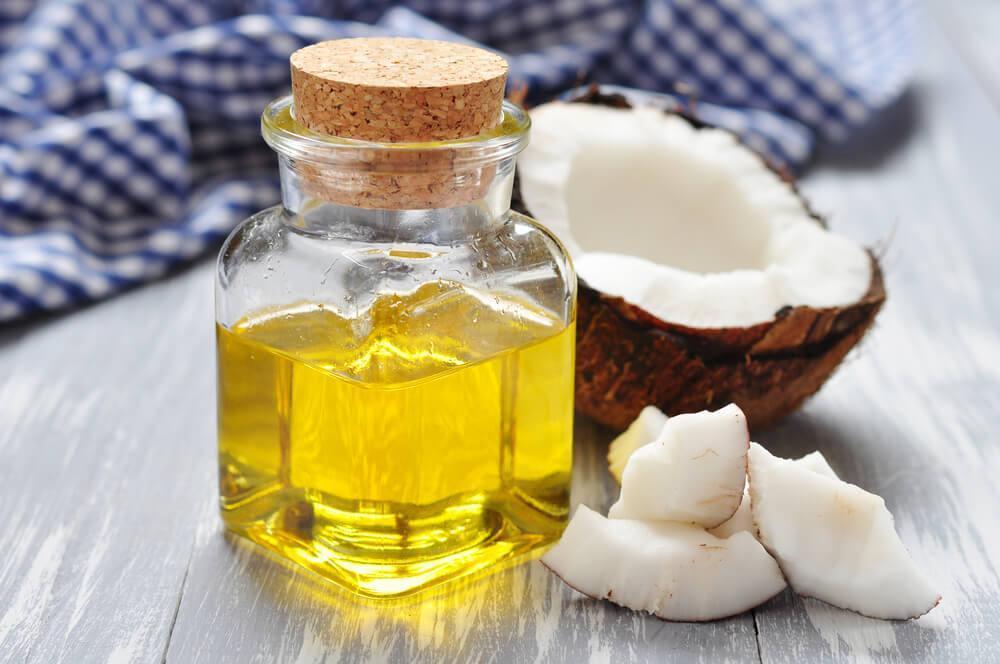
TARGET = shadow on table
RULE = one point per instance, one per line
(874, 143)
(847, 449)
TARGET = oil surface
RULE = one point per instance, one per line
(429, 438)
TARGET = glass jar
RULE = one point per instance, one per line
(395, 361)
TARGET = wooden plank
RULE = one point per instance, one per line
(972, 27)
(106, 426)
(913, 415)
(241, 607)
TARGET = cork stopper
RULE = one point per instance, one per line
(392, 89)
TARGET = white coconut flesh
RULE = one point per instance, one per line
(686, 223)
(830, 539)
(673, 570)
(646, 428)
(834, 541)
(643, 430)
(815, 462)
(742, 520)
(693, 472)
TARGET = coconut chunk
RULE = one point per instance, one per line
(743, 518)
(643, 430)
(834, 541)
(694, 472)
(741, 521)
(672, 570)
(817, 463)
(685, 222)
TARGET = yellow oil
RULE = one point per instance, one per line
(428, 439)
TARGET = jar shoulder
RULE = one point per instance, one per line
(253, 237)
(526, 254)
(266, 263)
(540, 233)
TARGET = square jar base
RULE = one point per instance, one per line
(388, 556)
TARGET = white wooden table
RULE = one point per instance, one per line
(111, 549)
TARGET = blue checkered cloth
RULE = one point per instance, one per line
(129, 131)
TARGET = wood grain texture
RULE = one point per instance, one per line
(105, 450)
(972, 31)
(113, 552)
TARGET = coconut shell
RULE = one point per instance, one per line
(628, 358)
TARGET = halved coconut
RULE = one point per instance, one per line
(705, 278)
(694, 472)
(834, 541)
(672, 570)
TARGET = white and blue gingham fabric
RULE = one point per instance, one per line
(129, 131)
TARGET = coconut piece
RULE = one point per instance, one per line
(643, 430)
(672, 570)
(834, 541)
(817, 463)
(694, 472)
(743, 518)
(705, 278)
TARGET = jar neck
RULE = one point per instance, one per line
(310, 208)
(437, 191)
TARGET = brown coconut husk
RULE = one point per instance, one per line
(628, 358)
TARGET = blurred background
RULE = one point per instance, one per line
(129, 131)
